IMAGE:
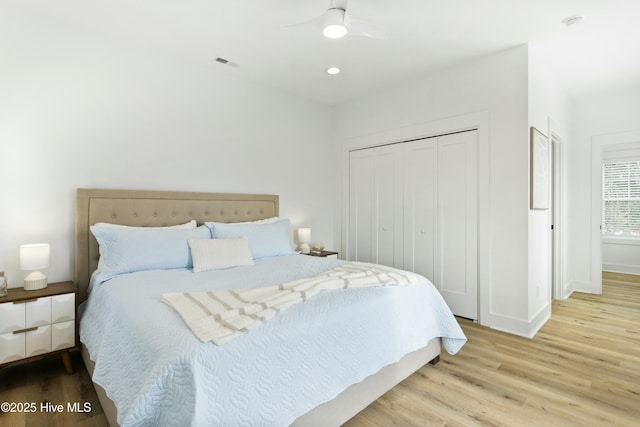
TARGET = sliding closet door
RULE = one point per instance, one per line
(457, 239)
(388, 206)
(375, 206)
(361, 230)
(420, 203)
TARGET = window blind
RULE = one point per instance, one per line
(621, 199)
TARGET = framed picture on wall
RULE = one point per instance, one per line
(539, 170)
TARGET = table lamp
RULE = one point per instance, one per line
(304, 237)
(34, 257)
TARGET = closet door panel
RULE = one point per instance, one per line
(420, 201)
(457, 223)
(361, 206)
(388, 212)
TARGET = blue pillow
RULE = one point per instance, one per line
(126, 250)
(265, 239)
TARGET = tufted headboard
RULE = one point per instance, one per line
(156, 209)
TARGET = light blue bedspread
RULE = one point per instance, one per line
(159, 373)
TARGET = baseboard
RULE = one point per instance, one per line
(580, 286)
(621, 268)
(520, 327)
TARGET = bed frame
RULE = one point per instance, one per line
(162, 208)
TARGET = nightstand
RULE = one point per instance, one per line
(39, 323)
(323, 254)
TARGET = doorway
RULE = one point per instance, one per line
(604, 147)
(557, 290)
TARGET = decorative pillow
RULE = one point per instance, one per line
(129, 249)
(266, 239)
(214, 254)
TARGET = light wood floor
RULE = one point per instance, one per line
(581, 369)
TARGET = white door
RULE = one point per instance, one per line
(420, 203)
(388, 206)
(375, 206)
(457, 223)
(361, 230)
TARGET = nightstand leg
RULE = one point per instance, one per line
(66, 359)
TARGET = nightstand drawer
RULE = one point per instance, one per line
(25, 314)
(26, 343)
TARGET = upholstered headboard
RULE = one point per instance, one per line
(155, 209)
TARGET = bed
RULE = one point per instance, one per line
(333, 360)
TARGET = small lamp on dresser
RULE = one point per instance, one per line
(304, 237)
(34, 257)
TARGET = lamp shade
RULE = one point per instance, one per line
(34, 256)
(304, 235)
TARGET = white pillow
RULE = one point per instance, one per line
(214, 254)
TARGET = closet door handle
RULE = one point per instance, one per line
(385, 229)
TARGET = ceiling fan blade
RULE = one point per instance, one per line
(314, 23)
(364, 29)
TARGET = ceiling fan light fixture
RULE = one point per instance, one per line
(335, 24)
(334, 31)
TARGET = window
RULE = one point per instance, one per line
(621, 199)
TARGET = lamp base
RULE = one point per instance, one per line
(304, 248)
(34, 281)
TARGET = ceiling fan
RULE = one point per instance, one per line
(336, 23)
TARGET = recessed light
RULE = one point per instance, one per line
(333, 70)
(572, 21)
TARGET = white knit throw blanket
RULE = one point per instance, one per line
(221, 316)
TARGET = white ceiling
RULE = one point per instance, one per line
(424, 36)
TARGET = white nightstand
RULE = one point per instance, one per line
(39, 323)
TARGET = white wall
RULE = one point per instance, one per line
(547, 103)
(495, 86)
(621, 255)
(593, 118)
(79, 110)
